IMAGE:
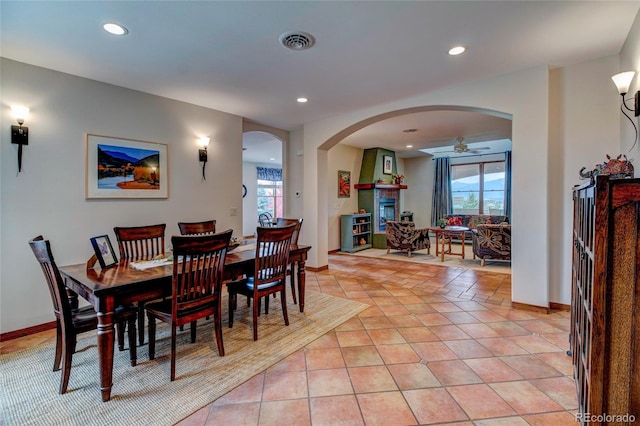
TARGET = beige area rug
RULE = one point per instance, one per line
(421, 256)
(144, 394)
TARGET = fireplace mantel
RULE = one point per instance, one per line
(379, 186)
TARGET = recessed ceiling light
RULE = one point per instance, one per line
(272, 159)
(302, 100)
(456, 50)
(409, 146)
(115, 29)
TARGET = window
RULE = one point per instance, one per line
(270, 191)
(478, 188)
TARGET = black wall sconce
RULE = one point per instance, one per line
(202, 153)
(622, 82)
(19, 133)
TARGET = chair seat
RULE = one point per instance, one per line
(250, 284)
(84, 318)
(162, 310)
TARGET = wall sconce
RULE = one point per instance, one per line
(622, 82)
(20, 134)
(202, 153)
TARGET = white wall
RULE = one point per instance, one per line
(583, 129)
(48, 196)
(630, 61)
(341, 157)
(419, 175)
(250, 202)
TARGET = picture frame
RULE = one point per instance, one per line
(125, 168)
(344, 184)
(104, 251)
(387, 164)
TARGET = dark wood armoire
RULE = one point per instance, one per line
(605, 308)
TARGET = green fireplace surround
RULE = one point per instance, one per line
(371, 172)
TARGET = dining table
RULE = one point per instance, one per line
(127, 283)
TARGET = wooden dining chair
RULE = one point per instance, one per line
(294, 241)
(198, 269)
(140, 243)
(196, 228)
(269, 277)
(265, 219)
(71, 320)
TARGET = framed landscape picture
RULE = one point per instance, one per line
(344, 184)
(125, 168)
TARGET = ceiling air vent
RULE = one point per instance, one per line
(297, 40)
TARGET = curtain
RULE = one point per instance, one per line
(442, 199)
(507, 184)
(267, 173)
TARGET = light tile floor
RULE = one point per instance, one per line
(437, 345)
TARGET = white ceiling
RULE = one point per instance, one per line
(225, 55)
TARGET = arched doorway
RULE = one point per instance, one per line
(263, 150)
(431, 130)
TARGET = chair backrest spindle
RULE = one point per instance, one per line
(140, 242)
(197, 228)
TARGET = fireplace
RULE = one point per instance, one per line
(386, 211)
(376, 194)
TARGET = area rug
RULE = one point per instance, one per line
(144, 394)
(421, 256)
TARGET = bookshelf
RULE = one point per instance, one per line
(355, 232)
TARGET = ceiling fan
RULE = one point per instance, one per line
(462, 147)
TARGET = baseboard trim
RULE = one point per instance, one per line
(10, 335)
(334, 251)
(321, 268)
(527, 307)
(559, 307)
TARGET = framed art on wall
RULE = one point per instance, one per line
(104, 251)
(125, 168)
(387, 164)
(344, 184)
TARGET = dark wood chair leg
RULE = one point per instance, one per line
(193, 331)
(140, 323)
(133, 352)
(152, 337)
(67, 357)
(58, 356)
(173, 352)
(217, 325)
(293, 283)
(284, 304)
(256, 312)
(232, 306)
(120, 325)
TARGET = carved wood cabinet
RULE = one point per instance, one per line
(605, 307)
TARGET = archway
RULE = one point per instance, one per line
(263, 147)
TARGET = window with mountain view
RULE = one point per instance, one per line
(478, 188)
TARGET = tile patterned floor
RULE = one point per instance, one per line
(437, 345)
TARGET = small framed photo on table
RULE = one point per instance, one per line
(104, 251)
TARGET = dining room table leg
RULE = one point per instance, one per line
(301, 283)
(106, 334)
